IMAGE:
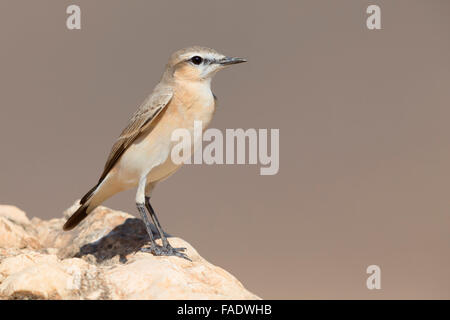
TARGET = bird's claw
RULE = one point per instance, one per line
(167, 250)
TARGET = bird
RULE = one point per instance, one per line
(140, 157)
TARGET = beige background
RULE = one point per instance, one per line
(363, 117)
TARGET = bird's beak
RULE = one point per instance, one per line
(230, 60)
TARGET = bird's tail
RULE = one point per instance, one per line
(82, 212)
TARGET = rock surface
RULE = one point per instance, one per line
(100, 259)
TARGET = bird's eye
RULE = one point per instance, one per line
(196, 60)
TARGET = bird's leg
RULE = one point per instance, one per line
(140, 203)
(168, 249)
(154, 248)
(165, 243)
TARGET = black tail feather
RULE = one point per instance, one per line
(88, 195)
(81, 213)
(76, 218)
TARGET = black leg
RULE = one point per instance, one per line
(169, 250)
(154, 248)
(165, 243)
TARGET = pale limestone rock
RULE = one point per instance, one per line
(41, 281)
(15, 229)
(100, 260)
(14, 214)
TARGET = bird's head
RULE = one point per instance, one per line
(198, 64)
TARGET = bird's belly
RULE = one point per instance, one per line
(163, 170)
(142, 157)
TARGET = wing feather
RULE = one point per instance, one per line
(140, 121)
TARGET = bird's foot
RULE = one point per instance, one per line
(153, 249)
(167, 250)
(171, 251)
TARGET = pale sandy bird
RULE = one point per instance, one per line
(141, 155)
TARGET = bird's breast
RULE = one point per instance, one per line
(194, 102)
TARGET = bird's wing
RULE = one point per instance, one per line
(140, 121)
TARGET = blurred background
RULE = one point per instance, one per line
(364, 133)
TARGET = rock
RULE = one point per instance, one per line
(15, 229)
(100, 259)
(14, 214)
